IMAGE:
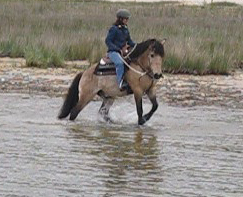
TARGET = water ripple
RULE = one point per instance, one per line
(193, 152)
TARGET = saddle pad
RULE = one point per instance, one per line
(105, 69)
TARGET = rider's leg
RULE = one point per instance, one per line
(115, 57)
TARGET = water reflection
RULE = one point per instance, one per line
(126, 158)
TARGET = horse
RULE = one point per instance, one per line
(145, 69)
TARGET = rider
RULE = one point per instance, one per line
(118, 36)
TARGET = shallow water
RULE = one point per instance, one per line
(195, 151)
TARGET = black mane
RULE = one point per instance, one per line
(143, 46)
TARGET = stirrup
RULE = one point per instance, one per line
(123, 85)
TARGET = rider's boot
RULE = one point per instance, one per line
(123, 85)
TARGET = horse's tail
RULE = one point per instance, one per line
(71, 98)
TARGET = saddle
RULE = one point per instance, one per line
(105, 67)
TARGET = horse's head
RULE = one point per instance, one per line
(149, 55)
(155, 58)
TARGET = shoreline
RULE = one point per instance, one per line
(173, 89)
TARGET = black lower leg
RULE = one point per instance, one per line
(74, 113)
(139, 105)
(154, 108)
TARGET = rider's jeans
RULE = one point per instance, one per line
(115, 57)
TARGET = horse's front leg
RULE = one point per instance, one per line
(139, 105)
(152, 97)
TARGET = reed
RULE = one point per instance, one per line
(201, 40)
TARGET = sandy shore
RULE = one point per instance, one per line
(186, 90)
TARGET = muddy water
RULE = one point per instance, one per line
(195, 151)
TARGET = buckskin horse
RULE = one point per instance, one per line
(145, 69)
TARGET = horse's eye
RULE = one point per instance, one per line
(152, 55)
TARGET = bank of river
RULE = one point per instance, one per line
(185, 90)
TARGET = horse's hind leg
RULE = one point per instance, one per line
(105, 107)
(84, 99)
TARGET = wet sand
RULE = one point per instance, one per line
(183, 90)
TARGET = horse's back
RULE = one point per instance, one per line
(88, 80)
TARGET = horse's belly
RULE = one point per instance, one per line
(109, 86)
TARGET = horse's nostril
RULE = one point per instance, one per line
(157, 76)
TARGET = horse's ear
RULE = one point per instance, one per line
(163, 41)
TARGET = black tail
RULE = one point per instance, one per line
(71, 98)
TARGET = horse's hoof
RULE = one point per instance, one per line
(141, 121)
(109, 120)
(146, 117)
(72, 117)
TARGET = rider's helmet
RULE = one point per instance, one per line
(123, 13)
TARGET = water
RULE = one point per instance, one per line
(181, 152)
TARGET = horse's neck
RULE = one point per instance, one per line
(141, 62)
(137, 66)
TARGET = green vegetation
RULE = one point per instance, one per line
(201, 40)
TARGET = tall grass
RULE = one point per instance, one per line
(201, 40)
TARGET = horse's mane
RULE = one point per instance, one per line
(143, 46)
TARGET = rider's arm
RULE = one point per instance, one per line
(110, 38)
(129, 41)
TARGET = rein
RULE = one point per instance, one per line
(134, 70)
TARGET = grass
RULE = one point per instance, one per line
(200, 40)
(42, 57)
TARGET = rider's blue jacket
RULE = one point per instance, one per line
(117, 37)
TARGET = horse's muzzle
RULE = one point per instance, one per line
(157, 76)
